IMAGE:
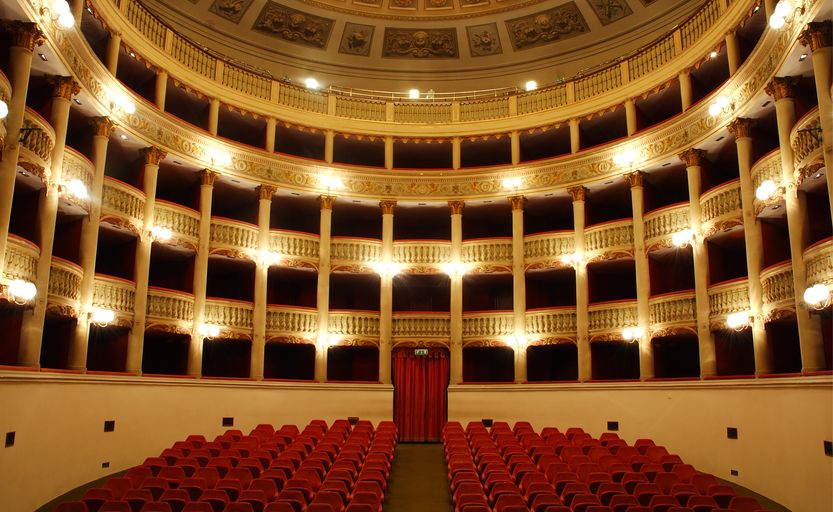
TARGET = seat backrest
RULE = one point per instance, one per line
(239, 506)
(115, 506)
(156, 506)
(72, 506)
(744, 504)
(197, 506)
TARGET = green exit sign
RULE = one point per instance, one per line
(420, 351)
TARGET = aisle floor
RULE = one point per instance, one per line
(418, 480)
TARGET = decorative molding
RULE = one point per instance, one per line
(294, 26)
(208, 177)
(609, 11)
(153, 155)
(64, 87)
(356, 39)
(817, 35)
(577, 193)
(483, 40)
(387, 206)
(326, 202)
(231, 10)
(782, 87)
(102, 126)
(635, 178)
(23, 34)
(693, 157)
(546, 26)
(429, 43)
(265, 192)
(456, 207)
(741, 127)
(517, 202)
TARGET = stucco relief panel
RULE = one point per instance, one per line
(356, 39)
(609, 11)
(294, 26)
(546, 26)
(484, 40)
(420, 44)
(231, 10)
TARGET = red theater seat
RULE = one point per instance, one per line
(197, 507)
(72, 506)
(115, 506)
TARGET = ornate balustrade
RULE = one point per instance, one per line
(65, 283)
(358, 108)
(124, 203)
(354, 324)
(487, 251)
(661, 224)
(77, 167)
(727, 298)
(669, 310)
(481, 110)
(609, 237)
(422, 253)
(611, 317)
(229, 314)
(768, 167)
(805, 139)
(546, 249)
(777, 284)
(421, 325)
(183, 222)
(114, 293)
(167, 306)
(292, 322)
(480, 324)
(542, 99)
(21, 259)
(551, 322)
(37, 138)
(415, 112)
(818, 262)
(720, 207)
(294, 247)
(355, 251)
(234, 235)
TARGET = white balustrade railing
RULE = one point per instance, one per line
(551, 321)
(678, 308)
(21, 259)
(818, 263)
(65, 281)
(123, 201)
(611, 316)
(294, 245)
(548, 247)
(487, 251)
(609, 237)
(302, 322)
(727, 298)
(768, 167)
(719, 204)
(777, 284)
(170, 305)
(77, 167)
(183, 222)
(805, 137)
(661, 224)
(483, 324)
(234, 234)
(422, 252)
(421, 325)
(354, 323)
(355, 250)
(37, 138)
(229, 314)
(114, 293)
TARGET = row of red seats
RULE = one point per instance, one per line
(320, 469)
(517, 470)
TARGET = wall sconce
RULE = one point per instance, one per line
(738, 321)
(219, 158)
(386, 269)
(270, 258)
(102, 316)
(60, 13)
(625, 158)
(720, 104)
(518, 341)
(455, 270)
(209, 331)
(76, 189)
(817, 296)
(20, 292)
(765, 190)
(4, 109)
(573, 260)
(682, 238)
(784, 12)
(512, 184)
(330, 182)
(120, 102)
(161, 233)
(633, 334)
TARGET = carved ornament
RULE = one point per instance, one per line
(265, 192)
(456, 207)
(387, 206)
(741, 127)
(64, 87)
(693, 157)
(429, 43)
(517, 202)
(293, 25)
(577, 193)
(24, 34)
(546, 26)
(326, 202)
(102, 126)
(782, 87)
(817, 35)
(208, 177)
(153, 155)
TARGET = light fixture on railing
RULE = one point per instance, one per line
(625, 158)
(817, 296)
(312, 84)
(330, 182)
(531, 85)
(633, 334)
(4, 109)
(783, 12)
(682, 238)
(76, 189)
(512, 184)
(455, 269)
(765, 190)
(413, 94)
(209, 331)
(720, 104)
(573, 259)
(120, 102)
(269, 258)
(20, 292)
(60, 13)
(518, 341)
(386, 268)
(102, 316)
(738, 321)
(161, 233)
(219, 158)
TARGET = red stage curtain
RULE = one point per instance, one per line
(420, 402)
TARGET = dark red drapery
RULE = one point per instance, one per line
(420, 383)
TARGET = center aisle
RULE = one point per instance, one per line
(418, 480)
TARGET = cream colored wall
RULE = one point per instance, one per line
(60, 440)
(781, 425)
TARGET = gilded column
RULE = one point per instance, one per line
(89, 243)
(24, 38)
(686, 90)
(386, 293)
(456, 322)
(575, 136)
(643, 277)
(160, 89)
(585, 368)
(324, 287)
(519, 286)
(111, 55)
(630, 116)
(271, 128)
(153, 156)
(694, 159)
(809, 328)
(207, 179)
(264, 260)
(213, 116)
(31, 332)
(819, 37)
(741, 128)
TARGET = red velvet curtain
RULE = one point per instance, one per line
(420, 383)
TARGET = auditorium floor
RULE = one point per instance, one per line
(418, 480)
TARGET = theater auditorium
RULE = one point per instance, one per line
(416, 256)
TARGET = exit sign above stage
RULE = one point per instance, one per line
(420, 351)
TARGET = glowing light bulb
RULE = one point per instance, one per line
(413, 94)
(312, 83)
(766, 190)
(4, 109)
(22, 291)
(531, 85)
(76, 188)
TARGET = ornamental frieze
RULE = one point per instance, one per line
(231, 10)
(609, 11)
(356, 39)
(547, 26)
(438, 43)
(294, 26)
(483, 40)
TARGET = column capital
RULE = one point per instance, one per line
(64, 87)
(693, 157)
(817, 35)
(456, 207)
(326, 202)
(153, 155)
(387, 206)
(24, 34)
(635, 178)
(265, 192)
(208, 177)
(782, 87)
(741, 127)
(102, 126)
(577, 193)
(517, 202)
